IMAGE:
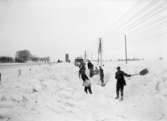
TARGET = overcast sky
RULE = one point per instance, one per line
(55, 27)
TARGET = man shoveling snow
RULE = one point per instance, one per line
(86, 83)
(119, 75)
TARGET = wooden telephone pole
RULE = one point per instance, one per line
(126, 55)
(100, 52)
(85, 55)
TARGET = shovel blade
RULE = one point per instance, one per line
(144, 72)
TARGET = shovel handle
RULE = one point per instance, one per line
(135, 74)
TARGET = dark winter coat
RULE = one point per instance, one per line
(119, 75)
(84, 77)
(101, 73)
(90, 65)
(82, 70)
(86, 82)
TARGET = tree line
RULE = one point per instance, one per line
(23, 56)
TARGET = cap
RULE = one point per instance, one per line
(118, 67)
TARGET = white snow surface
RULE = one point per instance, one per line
(55, 93)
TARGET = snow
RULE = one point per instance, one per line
(55, 93)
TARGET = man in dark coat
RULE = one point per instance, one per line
(90, 67)
(0, 78)
(119, 75)
(82, 69)
(86, 83)
(101, 72)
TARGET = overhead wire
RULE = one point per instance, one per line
(150, 18)
(137, 14)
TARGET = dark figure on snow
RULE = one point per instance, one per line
(86, 83)
(119, 75)
(0, 78)
(90, 67)
(101, 72)
(82, 69)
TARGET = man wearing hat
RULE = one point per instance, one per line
(101, 72)
(119, 75)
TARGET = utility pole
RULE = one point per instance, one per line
(126, 59)
(91, 56)
(100, 52)
(85, 56)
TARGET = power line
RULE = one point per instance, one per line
(145, 15)
(117, 23)
(149, 17)
(135, 15)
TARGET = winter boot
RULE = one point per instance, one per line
(117, 97)
(121, 98)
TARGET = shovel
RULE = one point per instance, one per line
(142, 72)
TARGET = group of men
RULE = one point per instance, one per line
(92, 72)
(119, 76)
